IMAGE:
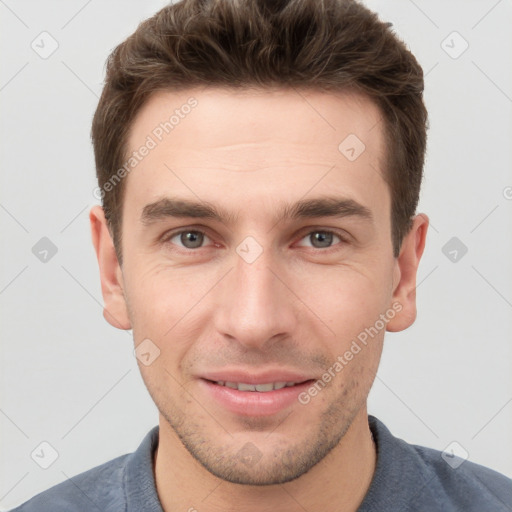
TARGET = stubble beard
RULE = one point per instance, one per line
(250, 464)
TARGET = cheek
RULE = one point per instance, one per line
(160, 292)
(161, 302)
(347, 300)
(167, 301)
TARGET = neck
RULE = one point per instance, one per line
(337, 483)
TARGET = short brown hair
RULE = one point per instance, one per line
(326, 45)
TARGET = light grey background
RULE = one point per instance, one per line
(70, 379)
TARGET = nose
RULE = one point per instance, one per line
(257, 304)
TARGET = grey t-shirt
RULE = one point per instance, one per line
(407, 478)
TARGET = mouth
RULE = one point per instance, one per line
(260, 388)
(263, 398)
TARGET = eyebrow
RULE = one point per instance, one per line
(304, 209)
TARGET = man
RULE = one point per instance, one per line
(259, 165)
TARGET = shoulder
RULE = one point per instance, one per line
(123, 483)
(410, 477)
(99, 488)
(465, 485)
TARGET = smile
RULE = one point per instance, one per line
(253, 399)
(262, 388)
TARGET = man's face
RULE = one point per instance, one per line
(257, 299)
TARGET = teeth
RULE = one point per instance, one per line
(262, 388)
(246, 387)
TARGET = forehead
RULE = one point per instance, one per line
(216, 142)
(241, 115)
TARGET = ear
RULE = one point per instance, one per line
(404, 276)
(115, 310)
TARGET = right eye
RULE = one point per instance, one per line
(188, 238)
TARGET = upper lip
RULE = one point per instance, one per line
(252, 377)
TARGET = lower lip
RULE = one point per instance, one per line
(254, 403)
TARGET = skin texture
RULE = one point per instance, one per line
(298, 306)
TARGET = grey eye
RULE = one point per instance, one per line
(194, 238)
(190, 239)
(324, 238)
(320, 239)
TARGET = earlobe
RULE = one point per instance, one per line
(115, 310)
(405, 272)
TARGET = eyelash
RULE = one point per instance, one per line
(168, 236)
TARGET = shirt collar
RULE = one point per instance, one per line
(139, 479)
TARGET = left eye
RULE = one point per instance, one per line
(193, 239)
(322, 238)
